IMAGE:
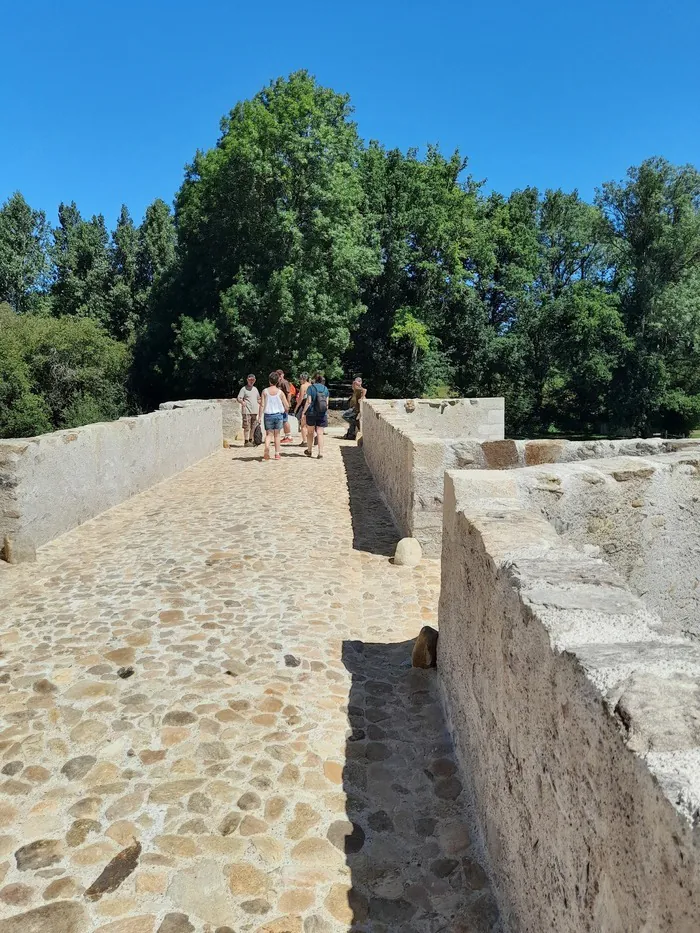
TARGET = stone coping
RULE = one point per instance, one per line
(53, 482)
(579, 714)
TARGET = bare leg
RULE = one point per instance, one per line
(277, 443)
(310, 431)
(319, 432)
(268, 436)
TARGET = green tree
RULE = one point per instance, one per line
(57, 373)
(424, 212)
(82, 276)
(653, 226)
(156, 246)
(24, 262)
(123, 297)
(273, 245)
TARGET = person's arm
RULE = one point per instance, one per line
(260, 404)
(307, 400)
(285, 401)
(240, 399)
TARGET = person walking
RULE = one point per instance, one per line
(316, 412)
(273, 406)
(286, 389)
(352, 413)
(301, 403)
(249, 400)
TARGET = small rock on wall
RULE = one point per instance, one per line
(408, 552)
(424, 652)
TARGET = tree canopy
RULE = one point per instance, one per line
(294, 243)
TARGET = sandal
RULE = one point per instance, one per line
(266, 456)
(307, 453)
(277, 457)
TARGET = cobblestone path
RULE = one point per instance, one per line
(207, 723)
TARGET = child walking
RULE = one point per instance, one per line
(273, 407)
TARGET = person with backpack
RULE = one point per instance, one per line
(273, 406)
(316, 412)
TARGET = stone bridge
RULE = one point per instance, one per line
(207, 721)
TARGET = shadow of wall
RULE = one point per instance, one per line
(409, 849)
(373, 527)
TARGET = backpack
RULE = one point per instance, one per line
(320, 400)
(257, 435)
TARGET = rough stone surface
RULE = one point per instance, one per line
(408, 449)
(424, 653)
(641, 514)
(61, 917)
(116, 872)
(39, 854)
(523, 614)
(54, 482)
(231, 417)
(408, 553)
(341, 750)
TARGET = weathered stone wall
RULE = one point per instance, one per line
(409, 448)
(576, 718)
(641, 514)
(231, 415)
(50, 484)
(510, 454)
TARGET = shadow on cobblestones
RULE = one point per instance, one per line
(409, 848)
(373, 528)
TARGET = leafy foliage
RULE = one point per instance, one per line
(294, 244)
(56, 373)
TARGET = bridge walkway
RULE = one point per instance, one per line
(208, 724)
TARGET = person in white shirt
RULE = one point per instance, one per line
(249, 400)
(273, 406)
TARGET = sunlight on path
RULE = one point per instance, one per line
(207, 723)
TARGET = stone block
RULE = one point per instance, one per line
(546, 451)
(500, 455)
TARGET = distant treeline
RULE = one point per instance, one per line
(293, 243)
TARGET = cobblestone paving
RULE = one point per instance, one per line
(207, 723)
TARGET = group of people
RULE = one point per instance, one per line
(309, 405)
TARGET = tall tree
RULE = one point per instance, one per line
(653, 223)
(424, 212)
(24, 262)
(123, 298)
(273, 243)
(156, 245)
(82, 280)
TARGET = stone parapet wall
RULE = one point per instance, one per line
(408, 445)
(510, 454)
(231, 414)
(576, 716)
(50, 484)
(641, 514)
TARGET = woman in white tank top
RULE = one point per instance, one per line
(273, 405)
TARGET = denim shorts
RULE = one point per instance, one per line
(274, 422)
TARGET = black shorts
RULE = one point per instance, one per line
(317, 420)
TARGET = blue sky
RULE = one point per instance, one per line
(104, 103)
